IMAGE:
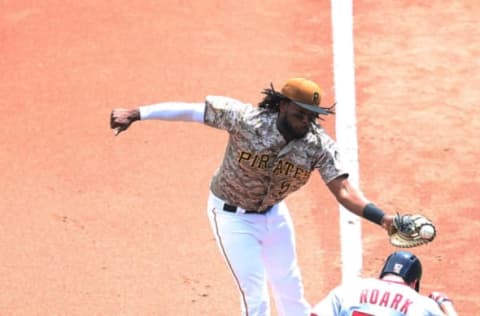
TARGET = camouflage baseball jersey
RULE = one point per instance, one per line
(260, 168)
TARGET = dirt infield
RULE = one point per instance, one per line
(97, 225)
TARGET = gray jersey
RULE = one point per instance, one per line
(366, 297)
(260, 168)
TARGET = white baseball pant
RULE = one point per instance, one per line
(260, 250)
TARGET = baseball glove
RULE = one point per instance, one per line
(411, 231)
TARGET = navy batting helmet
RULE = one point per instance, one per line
(404, 264)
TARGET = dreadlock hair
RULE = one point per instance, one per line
(272, 99)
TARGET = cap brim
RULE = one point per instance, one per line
(312, 108)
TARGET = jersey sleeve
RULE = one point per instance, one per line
(224, 113)
(427, 307)
(330, 306)
(173, 111)
(330, 163)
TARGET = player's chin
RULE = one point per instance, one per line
(300, 132)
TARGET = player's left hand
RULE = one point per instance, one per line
(411, 231)
(439, 297)
(121, 119)
(387, 224)
(445, 303)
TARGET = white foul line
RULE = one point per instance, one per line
(346, 133)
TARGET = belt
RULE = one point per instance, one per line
(234, 209)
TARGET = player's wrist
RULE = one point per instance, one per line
(444, 300)
(373, 213)
(135, 115)
(445, 303)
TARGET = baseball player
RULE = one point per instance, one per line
(395, 293)
(272, 150)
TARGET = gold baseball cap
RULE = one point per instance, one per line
(306, 94)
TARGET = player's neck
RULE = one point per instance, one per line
(393, 278)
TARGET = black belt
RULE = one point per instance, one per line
(233, 209)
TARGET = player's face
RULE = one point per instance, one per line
(294, 121)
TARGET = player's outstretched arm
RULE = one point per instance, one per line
(121, 119)
(353, 200)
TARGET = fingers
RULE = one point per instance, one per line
(116, 124)
(116, 131)
(113, 124)
(121, 119)
(111, 119)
